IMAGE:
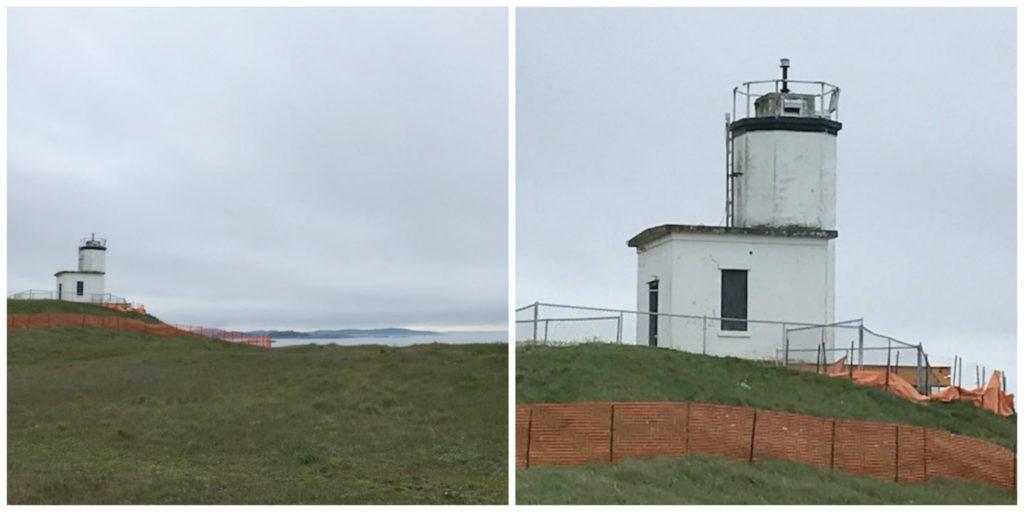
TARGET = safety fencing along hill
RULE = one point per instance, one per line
(608, 432)
(120, 323)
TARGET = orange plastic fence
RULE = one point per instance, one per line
(990, 397)
(608, 432)
(117, 323)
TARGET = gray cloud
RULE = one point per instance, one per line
(620, 127)
(295, 168)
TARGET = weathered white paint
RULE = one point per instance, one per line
(789, 279)
(787, 178)
(67, 285)
(92, 259)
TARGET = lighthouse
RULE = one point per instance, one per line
(774, 259)
(87, 283)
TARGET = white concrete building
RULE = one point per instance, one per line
(87, 283)
(775, 257)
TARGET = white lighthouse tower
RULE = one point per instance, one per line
(774, 259)
(87, 283)
(783, 155)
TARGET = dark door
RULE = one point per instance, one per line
(652, 319)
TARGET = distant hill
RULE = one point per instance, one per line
(388, 332)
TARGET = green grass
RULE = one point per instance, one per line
(600, 371)
(98, 416)
(700, 479)
(20, 307)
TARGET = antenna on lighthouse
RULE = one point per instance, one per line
(784, 64)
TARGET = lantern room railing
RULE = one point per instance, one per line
(92, 241)
(826, 96)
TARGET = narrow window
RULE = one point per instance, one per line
(81, 288)
(652, 319)
(734, 300)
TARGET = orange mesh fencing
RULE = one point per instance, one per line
(911, 466)
(603, 432)
(866, 448)
(523, 420)
(648, 429)
(115, 323)
(956, 456)
(570, 434)
(721, 430)
(785, 435)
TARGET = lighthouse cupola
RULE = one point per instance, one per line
(781, 154)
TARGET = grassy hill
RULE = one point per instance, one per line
(97, 416)
(598, 371)
(601, 371)
(698, 479)
(19, 307)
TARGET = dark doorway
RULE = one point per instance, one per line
(652, 319)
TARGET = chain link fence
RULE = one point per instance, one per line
(567, 324)
(954, 370)
(805, 346)
(94, 298)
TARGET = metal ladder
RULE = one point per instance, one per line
(730, 203)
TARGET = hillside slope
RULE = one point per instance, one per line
(601, 371)
(99, 416)
(16, 307)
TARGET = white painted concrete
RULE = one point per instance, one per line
(92, 260)
(67, 285)
(786, 178)
(789, 279)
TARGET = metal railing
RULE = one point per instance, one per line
(94, 298)
(107, 298)
(567, 324)
(825, 96)
(92, 241)
(33, 295)
(862, 348)
(785, 343)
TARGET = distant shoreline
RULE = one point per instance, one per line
(454, 338)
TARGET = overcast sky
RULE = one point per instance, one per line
(289, 168)
(620, 127)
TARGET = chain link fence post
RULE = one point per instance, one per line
(536, 314)
(860, 347)
(618, 330)
(704, 335)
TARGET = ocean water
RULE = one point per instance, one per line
(403, 341)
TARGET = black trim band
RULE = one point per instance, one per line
(793, 124)
(92, 247)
